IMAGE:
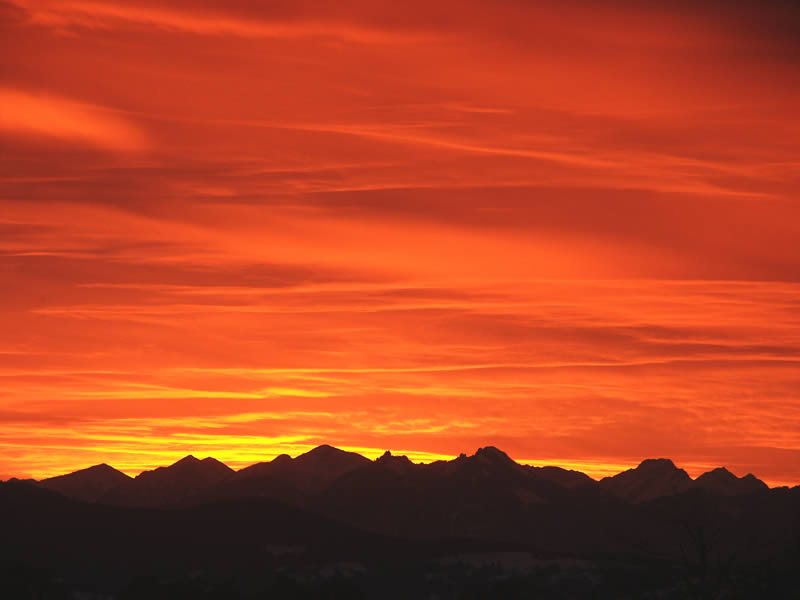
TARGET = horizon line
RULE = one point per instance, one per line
(368, 453)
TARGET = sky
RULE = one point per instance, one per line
(239, 229)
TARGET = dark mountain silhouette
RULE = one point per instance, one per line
(398, 464)
(722, 481)
(290, 480)
(305, 480)
(656, 478)
(484, 496)
(324, 464)
(399, 527)
(187, 471)
(310, 471)
(653, 478)
(170, 485)
(89, 484)
(43, 526)
(563, 477)
(279, 464)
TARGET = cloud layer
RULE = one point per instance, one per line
(570, 232)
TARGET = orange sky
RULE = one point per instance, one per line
(564, 230)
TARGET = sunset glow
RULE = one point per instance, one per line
(238, 229)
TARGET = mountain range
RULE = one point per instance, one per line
(381, 520)
(485, 496)
(327, 471)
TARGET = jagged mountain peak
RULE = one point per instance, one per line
(88, 484)
(654, 477)
(326, 453)
(103, 468)
(492, 453)
(189, 466)
(388, 459)
(324, 450)
(189, 459)
(722, 481)
(719, 473)
(658, 463)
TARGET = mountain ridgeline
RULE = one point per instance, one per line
(332, 507)
(328, 471)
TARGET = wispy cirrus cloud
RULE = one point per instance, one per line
(249, 228)
(30, 114)
(221, 21)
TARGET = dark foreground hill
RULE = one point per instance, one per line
(696, 544)
(332, 524)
